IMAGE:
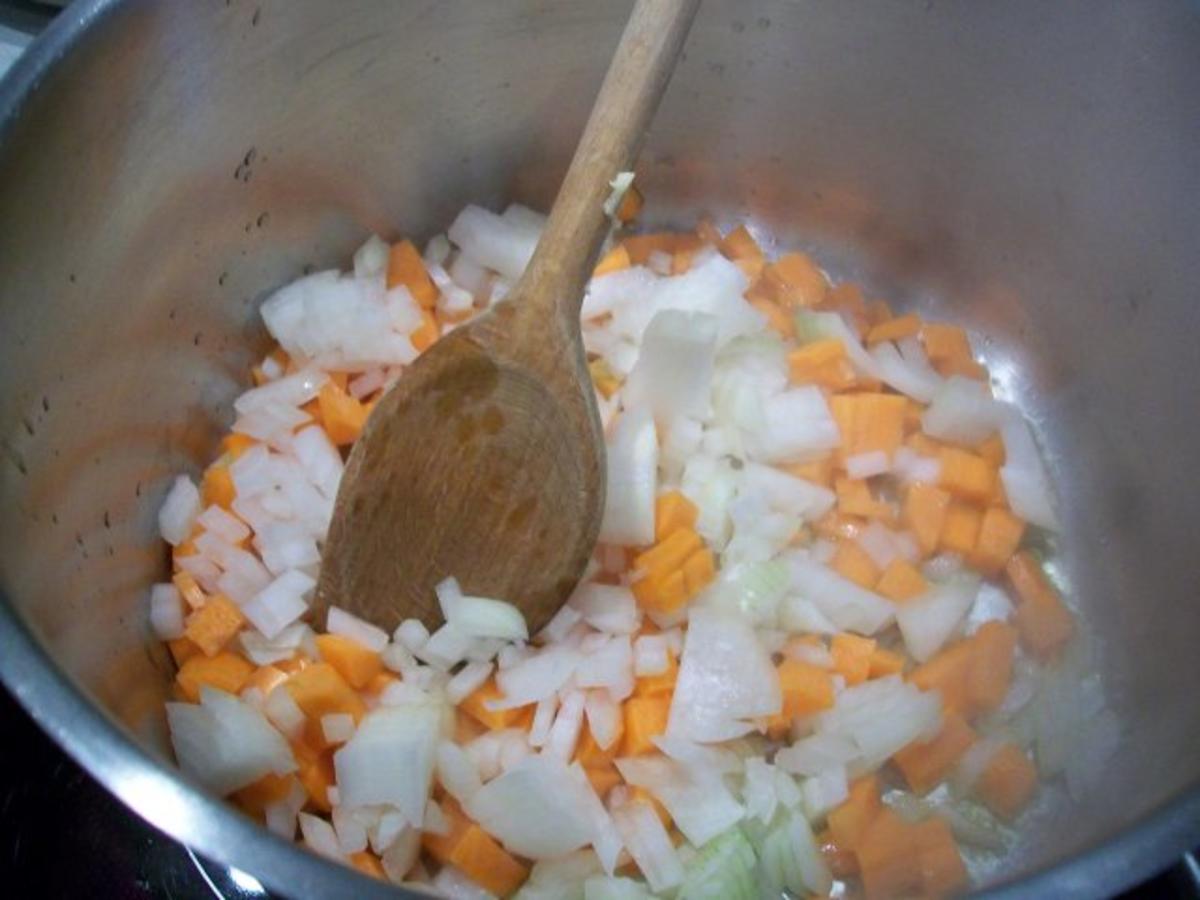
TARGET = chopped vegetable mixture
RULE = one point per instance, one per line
(816, 652)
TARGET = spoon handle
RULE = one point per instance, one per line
(554, 280)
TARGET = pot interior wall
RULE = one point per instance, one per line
(1027, 169)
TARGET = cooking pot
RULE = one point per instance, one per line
(1029, 169)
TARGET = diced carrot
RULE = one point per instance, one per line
(781, 323)
(342, 415)
(217, 486)
(879, 312)
(673, 511)
(843, 864)
(818, 471)
(851, 561)
(214, 624)
(266, 678)
(854, 499)
(604, 378)
(699, 570)
(354, 662)
(740, 244)
(852, 656)
(182, 650)
(645, 718)
(901, 581)
(1044, 622)
(834, 525)
(662, 594)
(993, 450)
(426, 335)
(943, 872)
(660, 684)
(886, 858)
(967, 368)
(189, 590)
(466, 728)
(849, 820)
(320, 690)
(234, 444)
(485, 862)
(885, 662)
(669, 553)
(226, 672)
(927, 764)
(806, 688)
(640, 246)
(379, 683)
(894, 329)
(603, 778)
(630, 206)
(924, 513)
(991, 665)
(799, 281)
(960, 531)
(999, 536)
(590, 755)
(315, 771)
(186, 548)
(823, 363)
(441, 846)
(255, 797)
(368, 863)
(912, 417)
(681, 261)
(405, 267)
(868, 422)
(475, 705)
(947, 673)
(293, 665)
(946, 346)
(614, 260)
(966, 475)
(1007, 782)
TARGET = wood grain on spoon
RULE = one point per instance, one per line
(486, 460)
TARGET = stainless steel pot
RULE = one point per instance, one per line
(1028, 168)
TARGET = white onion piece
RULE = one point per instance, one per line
(610, 666)
(962, 411)
(632, 480)
(467, 680)
(607, 608)
(225, 743)
(358, 630)
(725, 679)
(177, 515)
(928, 621)
(337, 727)
(320, 837)
(537, 677)
(493, 241)
(563, 736)
(390, 759)
(279, 604)
(412, 633)
(908, 377)
(649, 844)
(697, 800)
(673, 374)
(867, 465)
(534, 809)
(1024, 474)
(166, 612)
(650, 655)
(846, 605)
(457, 772)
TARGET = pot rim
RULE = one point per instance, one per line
(174, 804)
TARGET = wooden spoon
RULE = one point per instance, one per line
(486, 460)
